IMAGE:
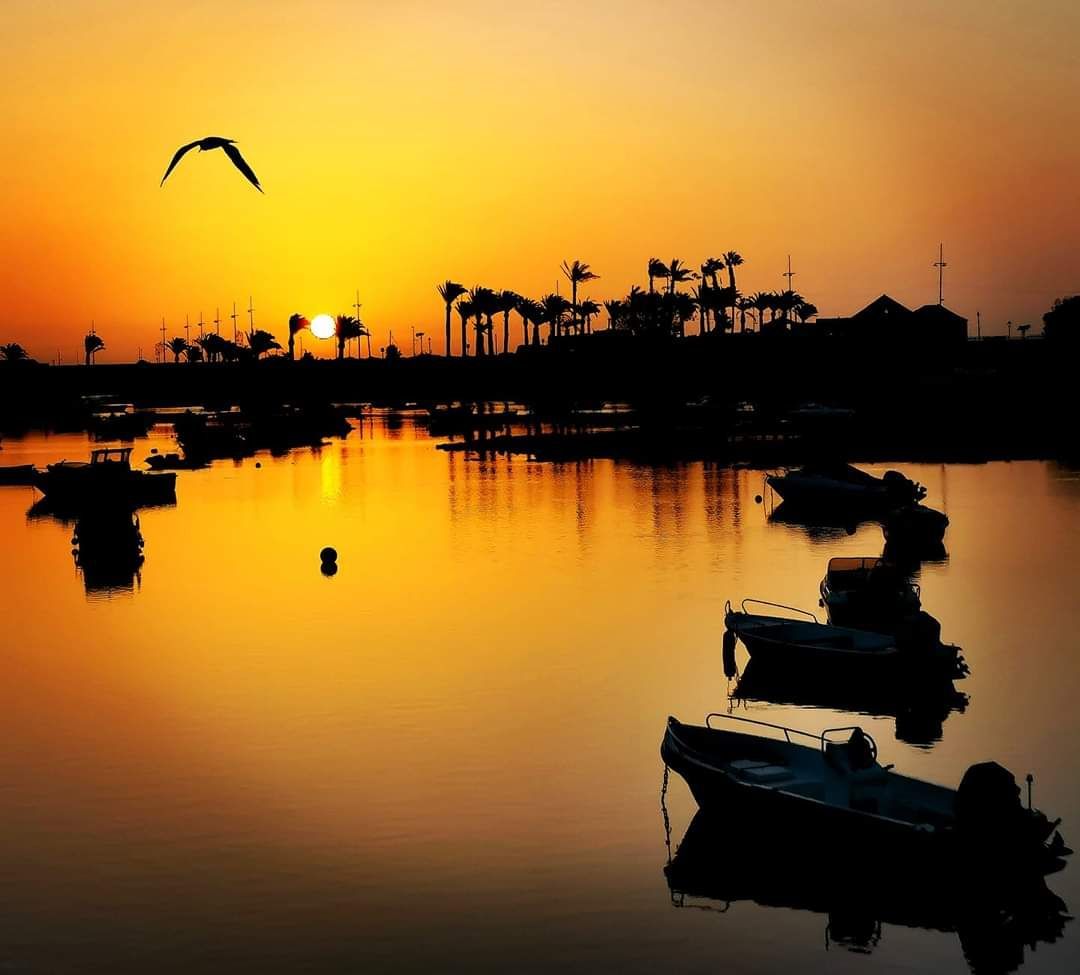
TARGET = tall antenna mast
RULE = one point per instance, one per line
(940, 265)
(233, 317)
(187, 330)
(217, 320)
(163, 338)
(251, 314)
(789, 274)
(200, 325)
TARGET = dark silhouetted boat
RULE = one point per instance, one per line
(867, 594)
(107, 479)
(804, 643)
(833, 790)
(846, 488)
(915, 528)
(13, 474)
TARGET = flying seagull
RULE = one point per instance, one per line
(216, 142)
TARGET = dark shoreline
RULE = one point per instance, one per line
(989, 400)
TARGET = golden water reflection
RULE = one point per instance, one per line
(449, 749)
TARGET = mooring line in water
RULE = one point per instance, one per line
(664, 812)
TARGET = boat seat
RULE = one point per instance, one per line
(760, 771)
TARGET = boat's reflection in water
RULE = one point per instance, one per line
(919, 708)
(722, 861)
(107, 545)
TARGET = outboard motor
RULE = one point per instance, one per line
(992, 821)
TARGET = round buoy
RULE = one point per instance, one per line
(757, 499)
(153, 450)
(258, 463)
(328, 554)
(328, 568)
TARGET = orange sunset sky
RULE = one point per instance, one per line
(403, 143)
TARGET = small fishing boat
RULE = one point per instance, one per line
(107, 479)
(830, 788)
(914, 527)
(780, 641)
(12, 474)
(867, 594)
(846, 487)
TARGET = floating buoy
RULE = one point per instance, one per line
(730, 670)
(757, 499)
(328, 554)
(328, 569)
(258, 463)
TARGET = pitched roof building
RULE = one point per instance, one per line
(886, 320)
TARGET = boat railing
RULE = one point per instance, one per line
(788, 732)
(765, 602)
(823, 738)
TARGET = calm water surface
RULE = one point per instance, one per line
(447, 754)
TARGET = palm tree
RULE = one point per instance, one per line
(194, 352)
(615, 311)
(297, 323)
(704, 294)
(484, 306)
(761, 300)
(588, 309)
(684, 310)
(346, 328)
(732, 259)
(260, 342)
(506, 302)
(576, 274)
(92, 344)
(13, 352)
(465, 310)
(555, 308)
(657, 269)
(529, 311)
(450, 291)
(177, 346)
(744, 305)
(805, 310)
(677, 272)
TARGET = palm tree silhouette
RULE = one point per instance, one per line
(450, 291)
(615, 310)
(465, 310)
(554, 308)
(13, 352)
(677, 272)
(297, 323)
(576, 274)
(506, 302)
(92, 344)
(588, 310)
(484, 306)
(761, 300)
(260, 342)
(732, 259)
(804, 311)
(744, 305)
(529, 311)
(657, 269)
(346, 328)
(194, 352)
(177, 346)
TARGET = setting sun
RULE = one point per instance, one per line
(322, 326)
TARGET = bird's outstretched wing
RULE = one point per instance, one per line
(239, 162)
(175, 159)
